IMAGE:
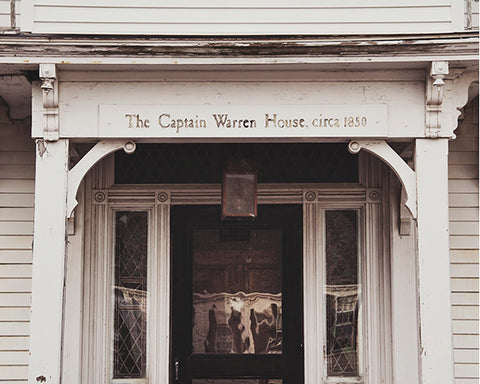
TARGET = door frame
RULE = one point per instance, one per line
(97, 276)
(287, 365)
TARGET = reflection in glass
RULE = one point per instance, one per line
(130, 294)
(237, 284)
(342, 292)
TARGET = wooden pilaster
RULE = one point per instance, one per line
(436, 355)
(48, 261)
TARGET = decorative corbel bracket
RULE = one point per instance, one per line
(98, 152)
(405, 174)
(48, 75)
(456, 97)
(435, 94)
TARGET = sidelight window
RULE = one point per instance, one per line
(130, 295)
(342, 293)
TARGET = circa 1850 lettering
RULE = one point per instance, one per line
(243, 121)
(223, 120)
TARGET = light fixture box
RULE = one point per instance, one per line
(239, 194)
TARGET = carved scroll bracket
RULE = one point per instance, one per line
(98, 152)
(48, 75)
(456, 97)
(435, 94)
(405, 174)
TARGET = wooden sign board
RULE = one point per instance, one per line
(242, 121)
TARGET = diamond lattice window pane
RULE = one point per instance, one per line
(342, 292)
(130, 294)
(204, 163)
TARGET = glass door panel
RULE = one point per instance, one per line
(237, 291)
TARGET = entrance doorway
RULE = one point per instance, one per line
(237, 296)
(314, 260)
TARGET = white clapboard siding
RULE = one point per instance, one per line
(246, 17)
(16, 200)
(464, 244)
(15, 285)
(14, 314)
(465, 312)
(14, 343)
(465, 284)
(471, 14)
(13, 357)
(16, 228)
(463, 200)
(13, 371)
(466, 371)
(467, 356)
(5, 19)
(15, 328)
(17, 166)
(466, 381)
(16, 270)
(15, 256)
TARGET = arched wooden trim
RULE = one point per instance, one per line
(405, 174)
(98, 152)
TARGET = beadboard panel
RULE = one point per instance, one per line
(17, 158)
(463, 157)
(464, 244)
(263, 17)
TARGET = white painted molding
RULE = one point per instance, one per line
(48, 74)
(406, 175)
(26, 12)
(404, 216)
(434, 98)
(98, 152)
(313, 280)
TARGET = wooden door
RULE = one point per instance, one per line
(237, 297)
